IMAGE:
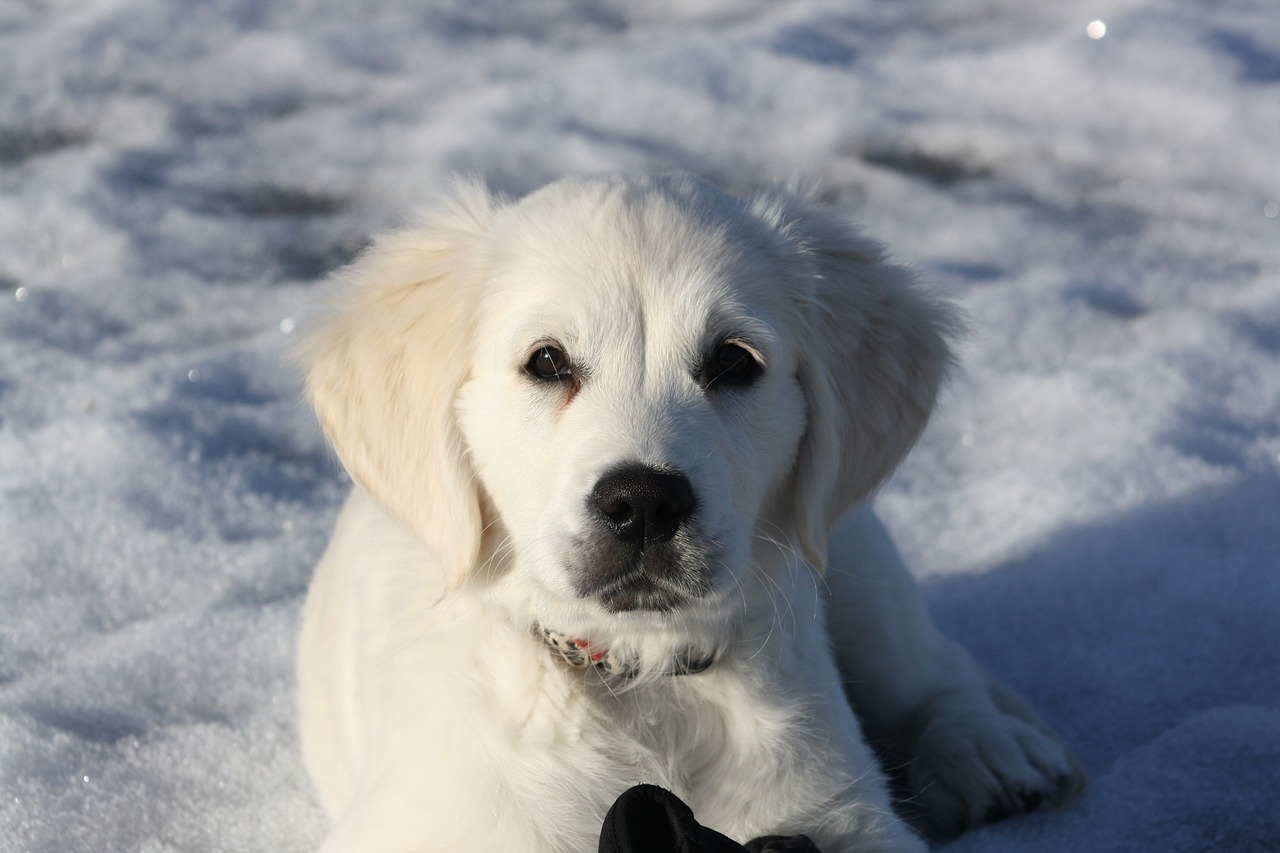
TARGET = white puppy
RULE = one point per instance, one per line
(603, 438)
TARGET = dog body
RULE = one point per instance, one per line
(603, 440)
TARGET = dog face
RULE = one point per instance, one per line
(635, 364)
(616, 386)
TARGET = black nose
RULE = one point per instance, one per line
(643, 506)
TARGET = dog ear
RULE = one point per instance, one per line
(873, 355)
(385, 367)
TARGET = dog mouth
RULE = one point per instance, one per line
(661, 581)
(640, 594)
(661, 578)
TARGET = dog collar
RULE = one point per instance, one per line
(581, 655)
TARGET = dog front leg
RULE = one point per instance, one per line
(966, 749)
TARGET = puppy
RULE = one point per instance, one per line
(609, 443)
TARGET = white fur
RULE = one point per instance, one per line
(432, 716)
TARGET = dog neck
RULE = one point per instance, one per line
(579, 654)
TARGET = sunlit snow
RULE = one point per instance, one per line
(1095, 511)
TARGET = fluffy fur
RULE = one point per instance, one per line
(433, 715)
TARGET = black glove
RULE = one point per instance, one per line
(649, 819)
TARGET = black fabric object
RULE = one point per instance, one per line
(649, 819)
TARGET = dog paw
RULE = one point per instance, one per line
(970, 767)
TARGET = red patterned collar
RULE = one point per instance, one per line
(581, 655)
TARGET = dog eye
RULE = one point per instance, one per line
(549, 363)
(731, 364)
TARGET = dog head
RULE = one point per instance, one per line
(622, 389)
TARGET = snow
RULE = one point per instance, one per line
(1095, 510)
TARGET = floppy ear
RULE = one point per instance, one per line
(384, 370)
(873, 355)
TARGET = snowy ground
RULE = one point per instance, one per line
(1095, 511)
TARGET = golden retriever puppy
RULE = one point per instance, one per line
(610, 444)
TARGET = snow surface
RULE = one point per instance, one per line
(1095, 511)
